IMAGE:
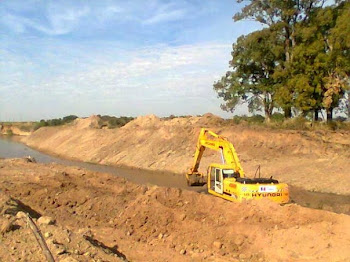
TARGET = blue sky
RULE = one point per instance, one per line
(114, 57)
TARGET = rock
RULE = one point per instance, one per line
(7, 226)
(30, 159)
(183, 251)
(242, 256)
(217, 244)
(182, 217)
(47, 234)
(46, 220)
(160, 236)
(60, 249)
(239, 241)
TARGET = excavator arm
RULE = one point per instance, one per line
(211, 140)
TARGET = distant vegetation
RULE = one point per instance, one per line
(278, 121)
(105, 121)
(114, 122)
(174, 116)
(54, 122)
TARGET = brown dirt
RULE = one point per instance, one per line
(14, 129)
(100, 217)
(312, 160)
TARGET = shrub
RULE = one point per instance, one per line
(68, 119)
(9, 132)
(54, 122)
(277, 117)
(297, 123)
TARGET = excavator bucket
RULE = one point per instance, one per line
(196, 179)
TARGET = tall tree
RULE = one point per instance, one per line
(320, 67)
(282, 17)
(253, 63)
(300, 60)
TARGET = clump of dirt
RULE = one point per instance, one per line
(101, 213)
(311, 160)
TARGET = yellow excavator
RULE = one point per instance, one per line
(227, 180)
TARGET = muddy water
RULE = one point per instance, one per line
(9, 148)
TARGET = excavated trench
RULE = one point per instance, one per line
(10, 148)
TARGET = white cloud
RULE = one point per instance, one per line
(57, 23)
(169, 70)
(63, 20)
(67, 55)
(165, 16)
(150, 75)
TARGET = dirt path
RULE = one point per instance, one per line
(315, 161)
(104, 218)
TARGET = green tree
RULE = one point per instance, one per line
(300, 60)
(320, 67)
(254, 60)
(282, 17)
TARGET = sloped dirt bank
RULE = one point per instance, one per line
(315, 161)
(149, 223)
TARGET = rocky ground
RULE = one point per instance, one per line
(87, 216)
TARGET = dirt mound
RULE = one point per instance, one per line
(311, 160)
(90, 122)
(100, 213)
(143, 122)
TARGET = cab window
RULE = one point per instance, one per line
(217, 174)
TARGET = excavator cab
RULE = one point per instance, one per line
(217, 174)
(227, 183)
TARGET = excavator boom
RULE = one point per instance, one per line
(211, 140)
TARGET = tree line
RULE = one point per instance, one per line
(299, 63)
(104, 121)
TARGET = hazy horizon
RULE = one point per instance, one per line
(114, 57)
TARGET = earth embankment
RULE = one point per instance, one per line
(15, 129)
(312, 160)
(100, 217)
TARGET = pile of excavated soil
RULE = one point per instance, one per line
(90, 122)
(100, 217)
(316, 161)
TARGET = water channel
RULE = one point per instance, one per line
(10, 148)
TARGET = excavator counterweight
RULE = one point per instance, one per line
(227, 180)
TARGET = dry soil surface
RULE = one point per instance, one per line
(315, 161)
(100, 217)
